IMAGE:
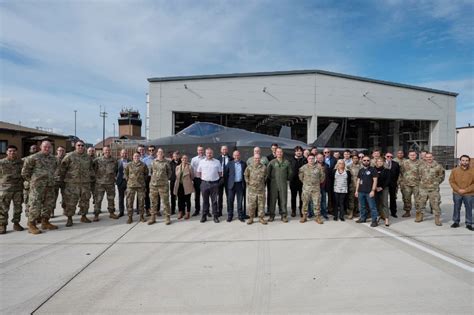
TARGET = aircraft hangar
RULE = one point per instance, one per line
(370, 113)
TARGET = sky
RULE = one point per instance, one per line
(61, 56)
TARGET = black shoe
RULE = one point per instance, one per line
(196, 213)
(242, 220)
(361, 220)
(335, 218)
(246, 217)
(469, 227)
(293, 213)
(455, 225)
(173, 212)
(203, 219)
(342, 219)
(220, 214)
(209, 214)
(374, 224)
(121, 214)
(394, 215)
(326, 217)
(216, 219)
(229, 220)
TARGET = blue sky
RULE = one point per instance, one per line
(58, 56)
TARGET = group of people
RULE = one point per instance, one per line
(348, 186)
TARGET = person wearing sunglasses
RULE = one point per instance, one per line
(394, 169)
(330, 162)
(365, 191)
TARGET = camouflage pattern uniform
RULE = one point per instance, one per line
(11, 189)
(77, 173)
(136, 173)
(105, 170)
(159, 186)
(92, 183)
(410, 174)
(431, 176)
(26, 191)
(39, 170)
(255, 178)
(59, 185)
(312, 176)
(352, 200)
(279, 173)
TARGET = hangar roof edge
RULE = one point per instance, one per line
(295, 72)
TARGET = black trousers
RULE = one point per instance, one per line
(296, 189)
(339, 205)
(197, 194)
(147, 193)
(121, 196)
(392, 194)
(173, 197)
(331, 201)
(209, 190)
(184, 201)
(220, 200)
(238, 190)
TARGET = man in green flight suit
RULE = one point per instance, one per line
(279, 172)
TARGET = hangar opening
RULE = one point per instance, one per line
(386, 134)
(265, 124)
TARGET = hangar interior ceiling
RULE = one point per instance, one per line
(265, 124)
(386, 134)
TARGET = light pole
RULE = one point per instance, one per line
(103, 114)
(75, 123)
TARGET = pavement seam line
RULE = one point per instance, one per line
(427, 250)
(82, 269)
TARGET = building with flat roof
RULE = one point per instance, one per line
(370, 113)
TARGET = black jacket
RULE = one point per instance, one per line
(394, 174)
(384, 177)
(296, 164)
(173, 165)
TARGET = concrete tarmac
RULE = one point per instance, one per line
(110, 267)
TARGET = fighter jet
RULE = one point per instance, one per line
(214, 136)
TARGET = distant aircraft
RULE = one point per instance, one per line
(214, 136)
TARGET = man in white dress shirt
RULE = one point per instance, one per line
(197, 179)
(210, 172)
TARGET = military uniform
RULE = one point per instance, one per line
(105, 170)
(279, 173)
(255, 178)
(92, 183)
(26, 191)
(312, 176)
(77, 173)
(136, 173)
(11, 189)
(39, 170)
(59, 185)
(410, 174)
(160, 189)
(352, 200)
(431, 176)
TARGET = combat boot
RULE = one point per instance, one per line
(262, 221)
(419, 217)
(84, 219)
(271, 218)
(438, 220)
(69, 221)
(32, 228)
(250, 220)
(142, 217)
(130, 220)
(168, 220)
(152, 220)
(96, 218)
(407, 214)
(17, 227)
(304, 218)
(45, 225)
(113, 216)
(284, 219)
(3, 229)
(319, 220)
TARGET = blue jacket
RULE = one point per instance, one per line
(229, 172)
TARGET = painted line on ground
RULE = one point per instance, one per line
(426, 250)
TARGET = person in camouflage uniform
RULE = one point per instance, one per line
(136, 173)
(353, 202)
(39, 170)
(255, 176)
(105, 170)
(159, 187)
(60, 154)
(77, 173)
(409, 183)
(311, 175)
(91, 154)
(26, 184)
(279, 172)
(431, 176)
(11, 189)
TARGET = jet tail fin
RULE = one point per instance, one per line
(285, 132)
(325, 136)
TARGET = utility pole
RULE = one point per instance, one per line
(114, 129)
(75, 123)
(103, 114)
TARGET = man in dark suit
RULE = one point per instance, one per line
(394, 168)
(175, 161)
(330, 163)
(235, 186)
(120, 181)
(224, 159)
